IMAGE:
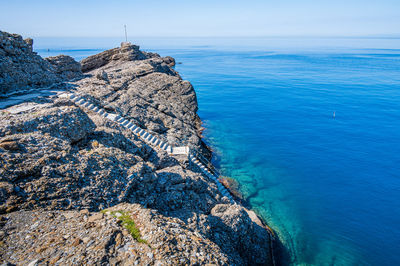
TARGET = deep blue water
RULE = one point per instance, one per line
(310, 128)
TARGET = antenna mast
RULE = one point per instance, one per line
(126, 35)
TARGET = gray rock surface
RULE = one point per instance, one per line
(29, 42)
(149, 93)
(61, 164)
(81, 237)
(65, 67)
(126, 52)
(21, 68)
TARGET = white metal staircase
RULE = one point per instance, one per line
(194, 156)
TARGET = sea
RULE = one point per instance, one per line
(309, 128)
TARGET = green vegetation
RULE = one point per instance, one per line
(128, 223)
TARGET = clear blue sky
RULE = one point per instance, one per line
(102, 18)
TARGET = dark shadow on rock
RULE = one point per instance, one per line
(282, 254)
(224, 236)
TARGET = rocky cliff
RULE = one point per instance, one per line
(76, 188)
(21, 68)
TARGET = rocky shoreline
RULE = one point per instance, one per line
(65, 170)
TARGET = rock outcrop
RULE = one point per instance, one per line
(65, 67)
(126, 52)
(148, 92)
(67, 174)
(21, 68)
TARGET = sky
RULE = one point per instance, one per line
(200, 18)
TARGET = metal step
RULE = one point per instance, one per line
(152, 140)
(77, 99)
(80, 101)
(164, 146)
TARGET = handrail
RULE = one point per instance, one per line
(146, 136)
(149, 138)
(205, 161)
(194, 154)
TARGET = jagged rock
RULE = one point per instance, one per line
(61, 162)
(236, 231)
(10, 145)
(169, 61)
(151, 55)
(65, 66)
(60, 144)
(21, 68)
(149, 92)
(6, 190)
(126, 52)
(29, 42)
(102, 75)
(101, 241)
(63, 122)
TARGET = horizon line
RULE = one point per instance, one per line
(374, 36)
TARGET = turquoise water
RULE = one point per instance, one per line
(310, 128)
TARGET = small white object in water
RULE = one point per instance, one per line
(334, 114)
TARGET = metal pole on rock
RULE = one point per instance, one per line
(126, 35)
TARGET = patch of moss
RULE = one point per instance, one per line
(128, 223)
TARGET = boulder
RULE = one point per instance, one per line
(65, 67)
(170, 61)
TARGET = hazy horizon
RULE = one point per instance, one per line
(122, 36)
(256, 18)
